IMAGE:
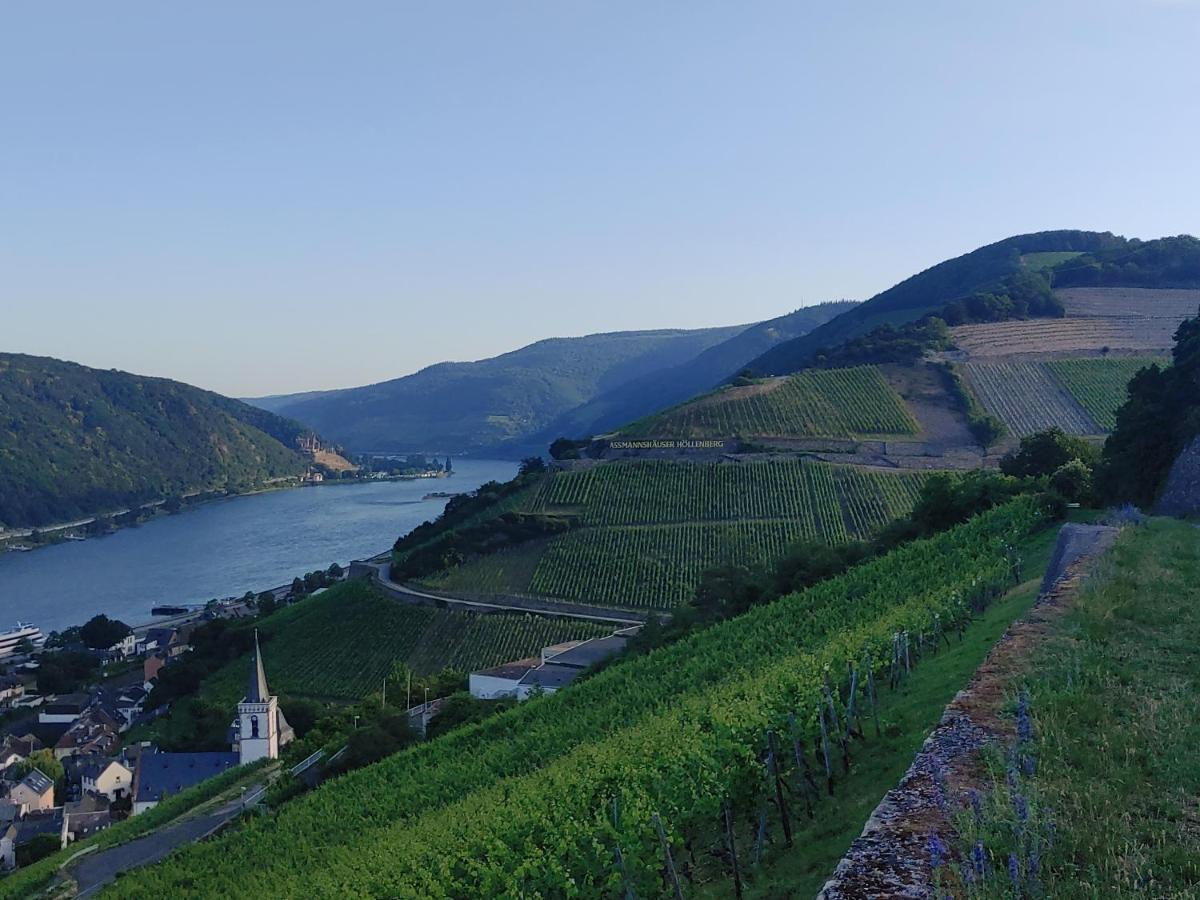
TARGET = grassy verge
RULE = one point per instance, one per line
(27, 881)
(1102, 800)
(907, 716)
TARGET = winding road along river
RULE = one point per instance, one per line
(221, 548)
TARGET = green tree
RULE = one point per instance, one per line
(532, 465)
(101, 632)
(1045, 452)
(1073, 479)
(45, 762)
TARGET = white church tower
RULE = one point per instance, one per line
(258, 730)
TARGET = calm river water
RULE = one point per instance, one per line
(221, 548)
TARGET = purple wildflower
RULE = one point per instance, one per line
(1028, 765)
(1024, 723)
(1021, 807)
(979, 861)
(937, 851)
(1014, 873)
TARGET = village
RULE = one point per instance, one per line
(69, 770)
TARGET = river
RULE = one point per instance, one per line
(222, 548)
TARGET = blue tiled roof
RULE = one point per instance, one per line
(160, 774)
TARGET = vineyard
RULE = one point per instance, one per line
(1069, 335)
(1027, 398)
(659, 491)
(601, 788)
(655, 566)
(649, 528)
(340, 645)
(1100, 385)
(1080, 396)
(817, 402)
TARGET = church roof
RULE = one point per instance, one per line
(256, 690)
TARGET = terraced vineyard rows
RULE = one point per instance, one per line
(464, 642)
(520, 804)
(508, 572)
(817, 402)
(745, 514)
(1131, 332)
(655, 566)
(340, 645)
(659, 491)
(1100, 385)
(873, 499)
(1027, 398)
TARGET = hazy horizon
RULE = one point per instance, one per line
(276, 199)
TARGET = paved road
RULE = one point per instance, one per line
(566, 609)
(98, 869)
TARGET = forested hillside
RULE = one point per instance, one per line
(76, 441)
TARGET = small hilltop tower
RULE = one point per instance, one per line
(261, 728)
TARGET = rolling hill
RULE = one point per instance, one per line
(468, 407)
(666, 387)
(76, 441)
(980, 270)
(519, 402)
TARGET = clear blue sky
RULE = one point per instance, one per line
(269, 197)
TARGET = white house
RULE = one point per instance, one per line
(106, 777)
(64, 709)
(125, 647)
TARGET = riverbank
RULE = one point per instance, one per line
(221, 548)
(30, 539)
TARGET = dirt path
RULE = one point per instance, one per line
(891, 858)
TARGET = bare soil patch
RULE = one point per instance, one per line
(1070, 336)
(1120, 302)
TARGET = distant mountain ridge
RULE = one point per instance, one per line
(76, 441)
(518, 402)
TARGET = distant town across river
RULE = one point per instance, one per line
(223, 548)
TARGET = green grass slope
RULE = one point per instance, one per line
(1114, 699)
(75, 441)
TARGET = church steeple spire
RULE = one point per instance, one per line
(256, 690)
